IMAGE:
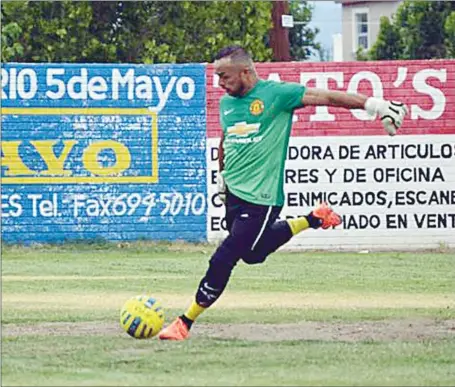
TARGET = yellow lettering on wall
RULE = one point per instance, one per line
(13, 161)
(122, 158)
(54, 164)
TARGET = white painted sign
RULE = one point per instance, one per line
(393, 193)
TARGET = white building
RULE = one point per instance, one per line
(360, 21)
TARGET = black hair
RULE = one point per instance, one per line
(233, 52)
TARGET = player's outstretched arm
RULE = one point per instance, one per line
(391, 113)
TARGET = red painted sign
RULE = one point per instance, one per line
(427, 87)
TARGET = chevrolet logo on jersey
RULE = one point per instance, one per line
(243, 129)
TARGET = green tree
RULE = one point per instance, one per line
(449, 28)
(190, 31)
(418, 30)
(302, 38)
(387, 45)
(10, 41)
(131, 32)
(53, 32)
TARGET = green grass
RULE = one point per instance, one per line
(120, 361)
(245, 315)
(179, 270)
(85, 283)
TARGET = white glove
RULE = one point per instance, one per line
(391, 113)
(221, 187)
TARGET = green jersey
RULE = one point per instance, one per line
(256, 128)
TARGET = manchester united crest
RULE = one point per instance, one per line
(256, 107)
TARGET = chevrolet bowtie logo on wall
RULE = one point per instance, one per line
(243, 129)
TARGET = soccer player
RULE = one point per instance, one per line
(256, 118)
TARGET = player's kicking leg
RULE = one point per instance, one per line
(281, 232)
(246, 223)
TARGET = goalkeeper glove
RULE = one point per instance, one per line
(391, 113)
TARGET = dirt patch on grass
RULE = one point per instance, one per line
(386, 330)
(390, 330)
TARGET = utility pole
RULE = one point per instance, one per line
(279, 35)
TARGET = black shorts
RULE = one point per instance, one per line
(249, 223)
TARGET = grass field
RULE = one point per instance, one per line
(308, 318)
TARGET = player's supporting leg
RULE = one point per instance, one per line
(246, 224)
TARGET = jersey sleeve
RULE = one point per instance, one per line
(290, 95)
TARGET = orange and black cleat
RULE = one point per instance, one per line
(177, 330)
(328, 217)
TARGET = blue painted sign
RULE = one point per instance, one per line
(113, 152)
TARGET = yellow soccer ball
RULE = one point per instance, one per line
(142, 317)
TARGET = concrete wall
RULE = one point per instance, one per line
(124, 152)
(392, 192)
(103, 151)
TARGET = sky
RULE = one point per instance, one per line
(327, 17)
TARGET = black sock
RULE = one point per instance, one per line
(186, 321)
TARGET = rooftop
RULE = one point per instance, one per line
(347, 2)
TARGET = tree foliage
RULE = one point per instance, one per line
(302, 38)
(418, 30)
(449, 28)
(132, 32)
(388, 44)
